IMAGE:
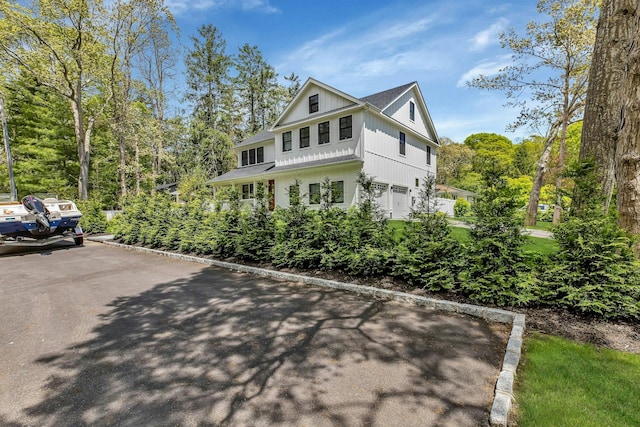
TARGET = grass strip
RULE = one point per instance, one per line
(564, 383)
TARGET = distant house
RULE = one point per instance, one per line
(325, 132)
(171, 188)
(449, 192)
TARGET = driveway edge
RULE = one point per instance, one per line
(503, 397)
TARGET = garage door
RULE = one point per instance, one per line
(382, 196)
(400, 202)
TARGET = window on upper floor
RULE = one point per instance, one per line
(286, 141)
(403, 145)
(252, 156)
(304, 137)
(313, 104)
(412, 111)
(346, 128)
(337, 191)
(428, 155)
(247, 191)
(323, 133)
(417, 182)
(314, 194)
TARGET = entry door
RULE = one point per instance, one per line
(272, 194)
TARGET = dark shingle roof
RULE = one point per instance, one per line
(244, 172)
(259, 137)
(322, 162)
(384, 98)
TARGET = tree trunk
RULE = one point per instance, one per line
(84, 155)
(538, 181)
(628, 150)
(602, 108)
(557, 209)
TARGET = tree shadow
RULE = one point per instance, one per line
(222, 348)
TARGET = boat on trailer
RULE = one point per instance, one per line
(39, 222)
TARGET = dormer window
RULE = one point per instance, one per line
(412, 111)
(313, 104)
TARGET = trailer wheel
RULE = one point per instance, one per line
(78, 241)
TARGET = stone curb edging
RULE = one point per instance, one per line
(503, 398)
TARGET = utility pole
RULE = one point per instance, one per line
(5, 132)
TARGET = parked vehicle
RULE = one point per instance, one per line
(37, 222)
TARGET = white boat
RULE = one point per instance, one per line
(36, 222)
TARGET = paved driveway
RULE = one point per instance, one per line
(99, 336)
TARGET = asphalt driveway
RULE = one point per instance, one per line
(99, 336)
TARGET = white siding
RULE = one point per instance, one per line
(399, 110)
(328, 101)
(315, 151)
(346, 173)
(269, 152)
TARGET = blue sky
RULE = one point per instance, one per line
(365, 47)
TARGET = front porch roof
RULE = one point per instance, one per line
(244, 172)
(317, 163)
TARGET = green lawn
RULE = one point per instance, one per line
(534, 244)
(541, 226)
(563, 383)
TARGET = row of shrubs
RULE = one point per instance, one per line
(594, 272)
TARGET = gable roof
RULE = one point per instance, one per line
(382, 99)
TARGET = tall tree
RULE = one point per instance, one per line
(454, 160)
(59, 43)
(256, 84)
(157, 64)
(561, 46)
(611, 134)
(207, 77)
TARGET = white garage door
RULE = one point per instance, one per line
(400, 202)
(381, 196)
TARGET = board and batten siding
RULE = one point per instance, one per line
(327, 101)
(399, 110)
(315, 151)
(382, 156)
(348, 173)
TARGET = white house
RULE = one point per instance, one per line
(325, 132)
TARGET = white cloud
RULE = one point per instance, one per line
(360, 49)
(181, 6)
(488, 36)
(486, 68)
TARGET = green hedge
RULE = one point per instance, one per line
(593, 274)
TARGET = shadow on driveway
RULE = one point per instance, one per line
(222, 348)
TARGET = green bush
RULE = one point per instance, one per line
(461, 208)
(594, 273)
(498, 270)
(93, 219)
(257, 232)
(428, 256)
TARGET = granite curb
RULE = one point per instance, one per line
(503, 397)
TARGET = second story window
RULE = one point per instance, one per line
(346, 129)
(323, 133)
(337, 191)
(304, 137)
(313, 104)
(286, 141)
(403, 145)
(428, 155)
(412, 111)
(252, 156)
